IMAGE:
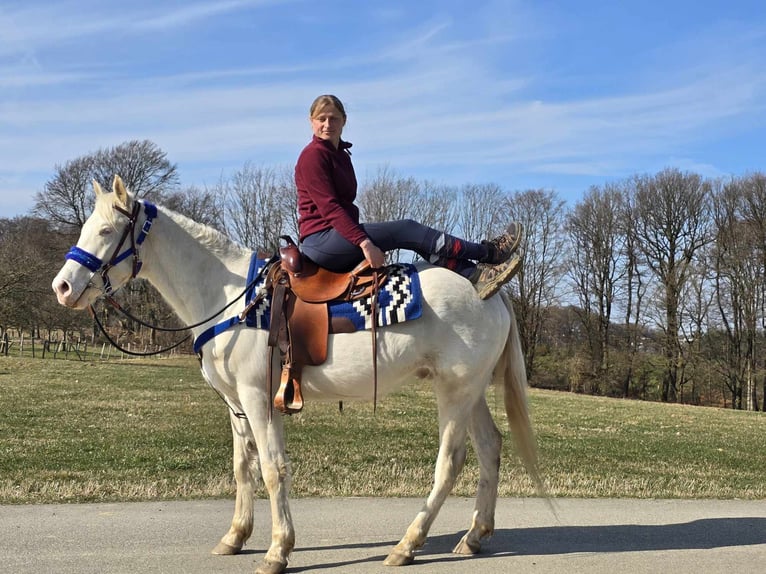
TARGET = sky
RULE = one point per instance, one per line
(526, 94)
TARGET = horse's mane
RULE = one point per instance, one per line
(209, 237)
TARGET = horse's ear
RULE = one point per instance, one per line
(120, 192)
(97, 188)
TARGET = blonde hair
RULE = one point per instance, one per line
(326, 100)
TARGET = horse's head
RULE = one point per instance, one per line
(106, 255)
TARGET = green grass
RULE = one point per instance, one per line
(595, 446)
(74, 431)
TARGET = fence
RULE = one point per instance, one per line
(52, 347)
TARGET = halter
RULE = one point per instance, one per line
(96, 265)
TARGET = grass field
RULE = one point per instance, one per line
(73, 431)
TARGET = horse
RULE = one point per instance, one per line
(461, 344)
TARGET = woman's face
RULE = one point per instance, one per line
(327, 124)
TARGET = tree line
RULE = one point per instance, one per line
(650, 287)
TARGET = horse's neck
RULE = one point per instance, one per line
(194, 278)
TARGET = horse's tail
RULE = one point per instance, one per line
(514, 378)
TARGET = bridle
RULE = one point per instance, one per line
(96, 265)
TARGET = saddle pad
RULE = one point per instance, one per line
(399, 300)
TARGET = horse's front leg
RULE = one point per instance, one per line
(246, 474)
(449, 463)
(275, 470)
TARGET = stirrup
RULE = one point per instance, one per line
(289, 398)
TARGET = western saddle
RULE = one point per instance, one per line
(300, 321)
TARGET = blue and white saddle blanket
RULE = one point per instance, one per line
(399, 300)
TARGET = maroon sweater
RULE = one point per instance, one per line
(326, 185)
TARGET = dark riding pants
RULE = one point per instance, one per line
(330, 250)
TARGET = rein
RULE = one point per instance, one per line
(127, 351)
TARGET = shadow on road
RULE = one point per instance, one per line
(698, 534)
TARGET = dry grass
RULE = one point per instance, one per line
(75, 431)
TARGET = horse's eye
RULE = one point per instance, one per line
(104, 231)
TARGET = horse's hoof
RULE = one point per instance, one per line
(271, 567)
(399, 559)
(466, 548)
(223, 549)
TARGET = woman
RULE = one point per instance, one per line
(328, 220)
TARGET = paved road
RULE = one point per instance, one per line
(354, 535)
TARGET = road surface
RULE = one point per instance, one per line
(353, 535)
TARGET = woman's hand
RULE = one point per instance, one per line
(372, 254)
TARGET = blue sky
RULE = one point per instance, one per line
(526, 94)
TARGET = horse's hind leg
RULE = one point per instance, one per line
(449, 463)
(247, 474)
(487, 442)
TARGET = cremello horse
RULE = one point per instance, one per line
(460, 343)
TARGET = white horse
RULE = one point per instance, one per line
(460, 343)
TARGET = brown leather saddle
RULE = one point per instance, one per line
(300, 319)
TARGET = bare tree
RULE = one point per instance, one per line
(697, 300)
(287, 200)
(143, 167)
(542, 214)
(203, 206)
(67, 199)
(437, 206)
(13, 263)
(739, 257)
(259, 206)
(754, 189)
(30, 254)
(389, 197)
(672, 225)
(486, 211)
(633, 291)
(596, 266)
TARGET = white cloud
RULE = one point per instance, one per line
(434, 98)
